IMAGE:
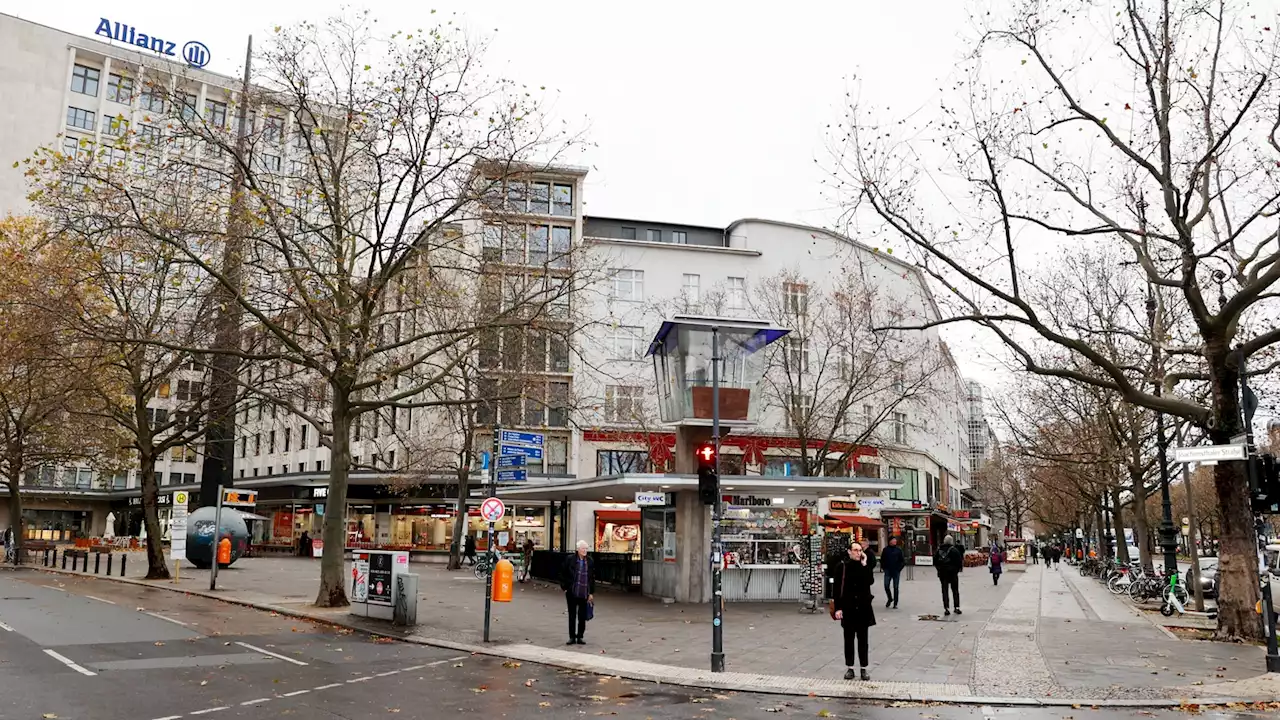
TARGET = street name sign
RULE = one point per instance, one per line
(1209, 453)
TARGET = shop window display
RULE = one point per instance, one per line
(765, 536)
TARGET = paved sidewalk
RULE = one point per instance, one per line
(1040, 636)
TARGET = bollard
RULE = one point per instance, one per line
(123, 558)
(97, 563)
(64, 561)
(45, 560)
(55, 558)
(109, 564)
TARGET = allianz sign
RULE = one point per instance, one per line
(195, 53)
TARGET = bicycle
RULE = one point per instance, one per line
(486, 564)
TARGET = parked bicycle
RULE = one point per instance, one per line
(486, 563)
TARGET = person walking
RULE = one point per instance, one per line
(526, 553)
(1035, 554)
(304, 544)
(469, 549)
(892, 560)
(578, 580)
(851, 607)
(998, 557)
(950, 562)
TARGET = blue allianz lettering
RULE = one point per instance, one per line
(195, 53)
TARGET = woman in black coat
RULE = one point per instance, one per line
(851, 605)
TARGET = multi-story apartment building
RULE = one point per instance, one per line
(592, 395)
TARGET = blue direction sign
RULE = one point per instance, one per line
(513, 437)
(506, 476)
(521, 450)
(510, 461)
(484, 460)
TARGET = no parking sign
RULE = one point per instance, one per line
(492, 509)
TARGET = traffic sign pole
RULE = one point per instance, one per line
(213, 549)
(493, 492)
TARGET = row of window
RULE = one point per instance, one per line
(535, 245)
(537, 198)
(286, 437)
(520, 349)
(676, 237)
(516, 402)
(621, 462)
(628, 286)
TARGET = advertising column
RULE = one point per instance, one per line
(178, 531)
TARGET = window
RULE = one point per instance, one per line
(158, 417)
(624, 403)
(691, 288)
(679, 237)
(562, 200)
(558, 404)
(188, 109)
(534, 406)
(273, 129)
(513, 245)
(628, 285)
(244, 446)
(908, 490)
(189, 390)
(77, 146)
(84, 80)
(900, 428)
(628, 233)
(151, 101)
(257, 443)
(215, 113)
(736, 293)
(539, 236)
(491, 243)
(866, 470)
(271, 442)
(653, 235)
(557, 455)
(799, 410)
(620, 462)
(517, 195)
(174, 479)
(287, 433)
(540, 198)
(120, 89)
(79, 118)
(319, 466)
(626, 343)
(271, 163)
(559, 354)
(781, 467)
(797, 354)
(150, 134)
(795, 298)
(899, 378)
(561, 243)
(115, 125)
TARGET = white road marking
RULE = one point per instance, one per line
(329, 686)
(278, 656)
(256, 702)
(158, 616)
(51, 587)
(389, 672)
(67, 661)
(101, 600)
(295, 693)
(360, 679)
(5, 628)
(206, 711)
(169, 717)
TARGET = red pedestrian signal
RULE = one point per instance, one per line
(708, 480)
(707, 455)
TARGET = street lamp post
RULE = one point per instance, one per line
(1168, 534)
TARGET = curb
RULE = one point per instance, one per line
(680, 676)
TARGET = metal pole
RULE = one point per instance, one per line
(717, 595)
(1106, 521)
(1168, 535)
(1191, 539)
(213, 549)
(493, 492)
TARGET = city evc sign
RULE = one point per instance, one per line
(194, 52)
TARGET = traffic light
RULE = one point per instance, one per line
(1265, 484)
(708, 481)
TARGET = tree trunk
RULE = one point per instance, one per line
(15, 520)
(157, 567)
(333, 591)
(1238, 582)
(1117, 520)
(460, 520)
(1141, 532)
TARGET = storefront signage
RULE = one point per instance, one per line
(194, 52)
(845, 506)
(961, 514)
(161, 500)
(651, 499)
(319, 492)
(317, 547)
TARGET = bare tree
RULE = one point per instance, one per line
(1159, 142)
(840, 383)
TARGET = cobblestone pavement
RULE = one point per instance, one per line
(1040, 634)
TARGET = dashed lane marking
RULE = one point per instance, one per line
(295, 693)
(101, 600)
(278, 656)
(206, 711)
(68, 662)
(54, 587)
(330, 686)
(169, 717)
(5, 628)
(158, 616)
(259, 701)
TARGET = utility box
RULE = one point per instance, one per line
(373, 582)
(405, 610)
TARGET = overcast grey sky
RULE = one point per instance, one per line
(699, 112)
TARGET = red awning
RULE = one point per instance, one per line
(855, 520)
(619, 517)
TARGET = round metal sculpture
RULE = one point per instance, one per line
(200, 546)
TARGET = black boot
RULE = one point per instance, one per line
(865, 675)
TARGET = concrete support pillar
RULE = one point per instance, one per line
(693, 524)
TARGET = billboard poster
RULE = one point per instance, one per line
(380, 571)
(360, 579)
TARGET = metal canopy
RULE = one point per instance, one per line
(761, 332)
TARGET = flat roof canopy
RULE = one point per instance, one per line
(622, 488)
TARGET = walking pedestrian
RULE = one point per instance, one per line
(578, 580)
(949, 561)
(469, 549)
(892, 560)
(8, 545)
(998, 557)
(851, 607)
(304, 544)
(1035, 554)
(526, 559)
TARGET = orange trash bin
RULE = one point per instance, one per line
(504, 575)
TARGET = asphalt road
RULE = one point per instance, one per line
(88, 649)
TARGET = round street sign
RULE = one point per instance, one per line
(492, 509)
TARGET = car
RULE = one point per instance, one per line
(1209, 576)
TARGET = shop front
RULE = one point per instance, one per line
(617, 531)
(920, 529)
(129, 517)
(767, 546)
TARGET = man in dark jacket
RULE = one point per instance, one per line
(949, 561)
(1035, 554)
(578, 580)
(851, 606)
(892, 561)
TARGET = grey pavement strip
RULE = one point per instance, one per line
(181, 662)
(1265, 689)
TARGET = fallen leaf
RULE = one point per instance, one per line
(159, 644)
(204, 682)
(480, 689)
(49, 716)
(457, 664)
(511, 664)
(824, 713)
(544, 704)
(528, 683)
